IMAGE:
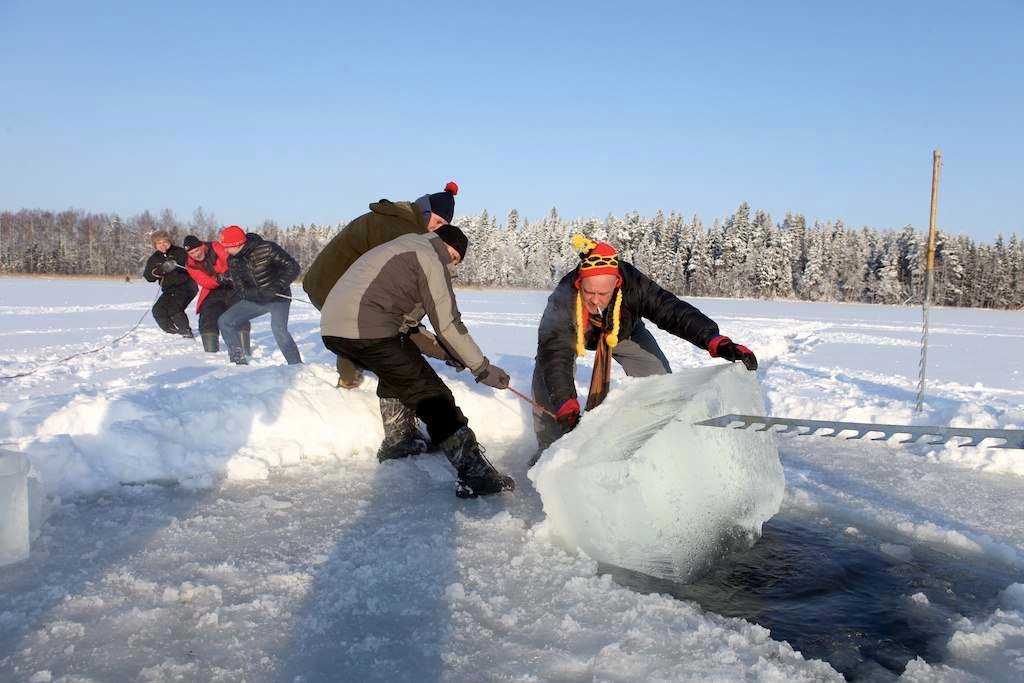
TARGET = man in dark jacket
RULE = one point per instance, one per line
(367, 317)
(384, 222)
(600, 306)
(208, 266)
(167, 266)
(262, 273)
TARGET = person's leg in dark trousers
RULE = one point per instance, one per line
(181, 296)
(405, 375)
(640, 355)
(162, 310)
(544, 426)
(279, 326)
(214, 305)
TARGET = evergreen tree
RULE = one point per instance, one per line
(889, 288)
(513, 221)
(700, 267)
(762, 254)
(743, 256)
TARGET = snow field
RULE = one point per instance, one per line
(288, 553)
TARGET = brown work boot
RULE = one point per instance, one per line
(350, 375)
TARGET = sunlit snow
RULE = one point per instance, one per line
(212, 522)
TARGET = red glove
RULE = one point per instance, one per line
(568, 415)
(723, 347)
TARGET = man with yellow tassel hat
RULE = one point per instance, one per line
(600, 306)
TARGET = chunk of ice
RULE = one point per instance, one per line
(639, 486)
(14, 507)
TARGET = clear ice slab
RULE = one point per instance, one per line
(639, 486)
(14, 507)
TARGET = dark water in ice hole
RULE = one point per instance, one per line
(839, 598)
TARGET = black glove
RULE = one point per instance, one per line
(723, 347)
(167, 267)
(224, 280)
(492, 376)
(568, 415)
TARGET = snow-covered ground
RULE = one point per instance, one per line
(288, 554)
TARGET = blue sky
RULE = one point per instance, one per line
(307, 114)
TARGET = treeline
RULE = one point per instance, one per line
(745, 255)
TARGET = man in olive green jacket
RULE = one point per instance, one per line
(385, 221)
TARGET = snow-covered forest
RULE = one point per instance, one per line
(746, 254)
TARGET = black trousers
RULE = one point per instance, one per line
(639, 356)
(215, 303)
(169, 309)
(403, 373)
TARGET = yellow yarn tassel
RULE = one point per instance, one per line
(582, 244)
(613, 336)
(580, 323)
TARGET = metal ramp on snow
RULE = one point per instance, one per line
(1011, 438)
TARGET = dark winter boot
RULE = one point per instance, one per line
(246, 343)
(210, 342)
(187, 333)
(401, 436)
(238, 357)
(477, 476)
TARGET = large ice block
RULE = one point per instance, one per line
(638, 486)
(14, 507)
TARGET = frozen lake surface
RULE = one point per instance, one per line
(284, 552)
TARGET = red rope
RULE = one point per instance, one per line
(536, 405)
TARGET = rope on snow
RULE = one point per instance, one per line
(80, 353)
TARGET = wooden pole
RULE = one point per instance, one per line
(929, 281)
(936, 164)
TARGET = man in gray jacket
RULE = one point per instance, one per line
(369, 315)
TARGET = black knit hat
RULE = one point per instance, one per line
(443, 203)
(191, 242)
(454, 238)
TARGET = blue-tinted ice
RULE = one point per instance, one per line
(637, 485)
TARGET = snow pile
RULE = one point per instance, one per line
(639, 486)
(237, 426)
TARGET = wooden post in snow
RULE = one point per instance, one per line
(929, 280)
